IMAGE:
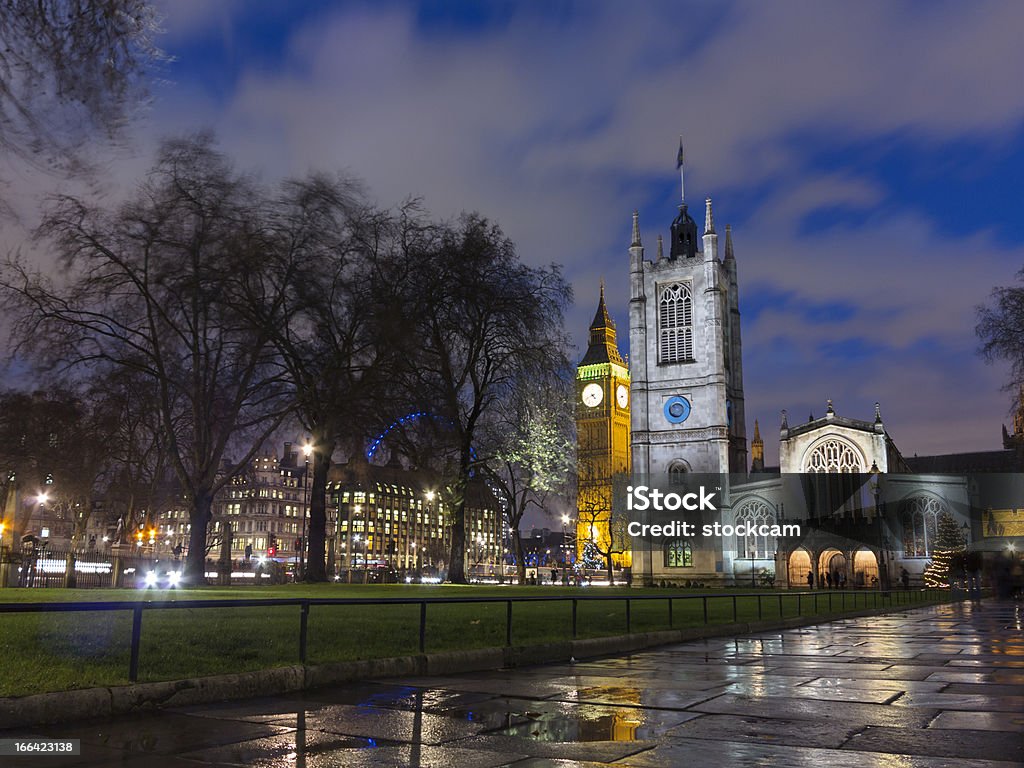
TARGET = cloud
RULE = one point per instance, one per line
(559, 124)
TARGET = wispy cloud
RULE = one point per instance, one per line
(559, 120)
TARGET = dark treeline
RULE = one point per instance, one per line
(189, 324)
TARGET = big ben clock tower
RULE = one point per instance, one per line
(602, 434)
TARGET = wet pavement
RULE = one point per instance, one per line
(939, 687)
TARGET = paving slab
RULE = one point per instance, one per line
(980, 721)
(940, 743)
(741, 754)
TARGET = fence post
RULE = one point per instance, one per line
(670, 613)
(830, 602)
(574, 618)
(758, 607)
(303, 631)
(423, 626)
(799, 604)
(629, 628)
(735, 615)
(780, 606)
(705, 609)
(133, 663)
(508, 624)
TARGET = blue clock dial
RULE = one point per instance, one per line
(677, 409)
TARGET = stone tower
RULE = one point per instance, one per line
(685, 352)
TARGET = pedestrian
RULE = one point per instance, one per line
(554, 576)
(810, 579)
(828, 580)
(905, 578)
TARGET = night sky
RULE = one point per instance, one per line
(869, 157)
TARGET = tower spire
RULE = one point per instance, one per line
(661, 254)
(709, 221)
(729, 256)
(603, 345)
(757, 449)
(680, 158)
(636, 230)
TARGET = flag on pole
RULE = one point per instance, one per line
(679, 157)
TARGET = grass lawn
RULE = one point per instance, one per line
(59, 651)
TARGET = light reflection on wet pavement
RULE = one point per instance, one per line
(938, 687)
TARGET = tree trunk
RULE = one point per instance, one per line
(611, 577)
(195, 561)
(457, 555)
(317, 551)
(517, 547)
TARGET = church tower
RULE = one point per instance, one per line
(602, 434)
(756, 451)
(685, 351)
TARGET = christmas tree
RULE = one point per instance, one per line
(590, 557)
(948, 548)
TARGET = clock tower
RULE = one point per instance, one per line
(602, 434)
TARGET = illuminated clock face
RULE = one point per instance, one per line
(622, 395)
(677, 409)
(592, 395)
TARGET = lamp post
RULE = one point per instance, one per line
(428, 510)
(306, 449)
(883, 542)
(353, 538)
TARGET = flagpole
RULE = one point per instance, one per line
(679, 165)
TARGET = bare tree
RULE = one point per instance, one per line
(54, 444)
(482, 322)
(532, 435)
(162, 286)
(138, 479)
(71, 71)
(1001, 330)
(336, 331)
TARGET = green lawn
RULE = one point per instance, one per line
(53, 651)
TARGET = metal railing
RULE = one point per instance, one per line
(848, 600)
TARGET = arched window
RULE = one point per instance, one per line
(837, 492)
(678, 554)
(920, 519)
(755, 513)
(675, 323)
(833, 456)
(677, 471)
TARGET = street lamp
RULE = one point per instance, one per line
(307, 449)
(883, 542)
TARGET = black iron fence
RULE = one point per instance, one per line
(759, 605)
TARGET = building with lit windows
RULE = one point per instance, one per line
(394, 519)
(265, 505)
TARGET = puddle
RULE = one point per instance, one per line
(569, 728)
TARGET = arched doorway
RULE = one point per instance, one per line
(832, 562)
(865, 568)
(799, 566)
